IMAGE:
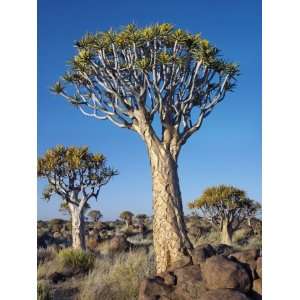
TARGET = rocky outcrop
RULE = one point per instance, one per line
(208, 276)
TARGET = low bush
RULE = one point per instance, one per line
(43, 291)
(76, 260)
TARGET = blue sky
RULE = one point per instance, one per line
(227, 149)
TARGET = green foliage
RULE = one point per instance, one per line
(43, 291)
(95, 215)
(76, 260)
(67, 169)
(194, 48)
(220, 203)
(226, 196)
(126, 215)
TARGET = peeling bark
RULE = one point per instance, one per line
(78, 232)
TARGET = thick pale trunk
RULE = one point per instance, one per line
(226, 233)
(78, 232)
(171, 242)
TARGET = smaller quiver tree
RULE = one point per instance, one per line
(226, 207)
(76, 176)
(127, 217)
(95, 215)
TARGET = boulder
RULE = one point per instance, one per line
(189, 283)
(257, 286)
(202, 252)
(247, 255)
(223, 249)
(223, 294)
(258, 267)
(220, 272)
(248, 258)
(154, 288)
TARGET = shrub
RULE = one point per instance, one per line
(118, 278)
(43, 291)
(76, 260)
(45, 254)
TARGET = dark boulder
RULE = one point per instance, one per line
(221, 273)
(223, 249)
(248, 258)
(154, 288)
(202, 252)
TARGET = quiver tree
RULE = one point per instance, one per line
(136, 76)
(76, 176)
(95, 215)
(127, 217)
(141, 218)
(226, 207)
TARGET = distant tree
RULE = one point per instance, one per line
(76, 176)
(226, 207)
(127, 217)
(95, 215)
(138, 77)
(141, 218)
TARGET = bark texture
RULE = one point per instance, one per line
(171, 242)
(78, 232)
(226, 233)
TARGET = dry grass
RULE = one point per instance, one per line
(118, 278)
(43, 291)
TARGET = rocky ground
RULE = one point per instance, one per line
(123, 264)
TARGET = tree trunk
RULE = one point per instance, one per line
(171, 242)
(226, 233)
(78, 232)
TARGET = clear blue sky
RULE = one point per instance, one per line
(227, 149)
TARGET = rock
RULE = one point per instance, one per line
(169, 278)
(118, 244)
(222, 249)
(257, 286)
(247, 257)
(57, 277)
(154, 288)
(190, 273)
(258, 267)
(221, 273)
(202, 252)
(223, 294)
(189, 283)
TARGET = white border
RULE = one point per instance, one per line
(18, 149)
(281, 151)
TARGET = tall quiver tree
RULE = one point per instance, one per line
(76, 176)
(135, 76)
